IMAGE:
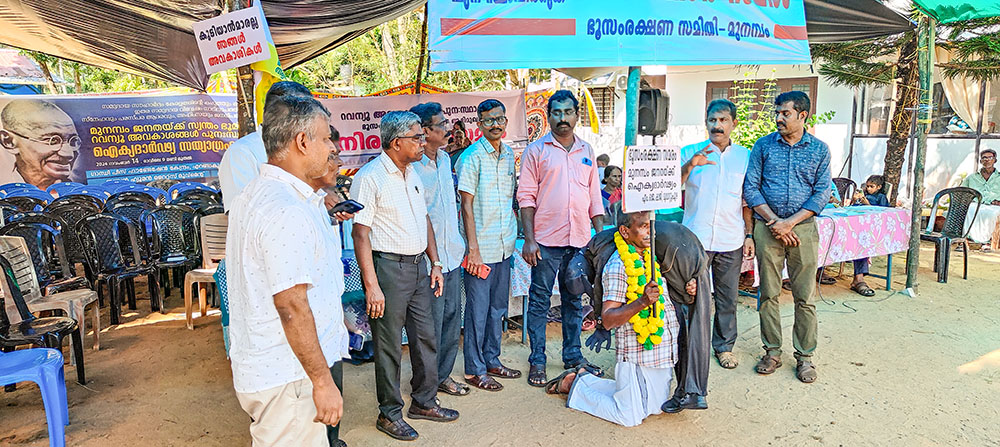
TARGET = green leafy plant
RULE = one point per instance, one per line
(754, 99)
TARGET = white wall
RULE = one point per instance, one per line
(947, 159)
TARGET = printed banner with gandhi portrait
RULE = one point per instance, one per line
(93, 139)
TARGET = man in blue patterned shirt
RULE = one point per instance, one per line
(787, 184)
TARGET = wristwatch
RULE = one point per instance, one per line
(439, 264)
(749, 236)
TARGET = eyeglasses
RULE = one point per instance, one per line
(988, 157)
(420, 137)
(54, 140)
(489, 122)
(443, 125)
(562, 113)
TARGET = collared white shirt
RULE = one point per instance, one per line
(395, 209)
(439, 196)
(713, 196)
(280, 236)
(240, 164)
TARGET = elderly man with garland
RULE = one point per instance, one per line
(646, 331)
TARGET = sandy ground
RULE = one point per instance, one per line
(893, 370)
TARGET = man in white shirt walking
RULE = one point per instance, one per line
(434, 169)
(285, 286)
(391, 236)
(242, 160)
(713, 174)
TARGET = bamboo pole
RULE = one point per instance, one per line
(925, 65)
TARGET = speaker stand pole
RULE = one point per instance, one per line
(632, 107)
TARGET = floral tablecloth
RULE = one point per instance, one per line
(855, 232)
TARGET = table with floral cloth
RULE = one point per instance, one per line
(856, 232)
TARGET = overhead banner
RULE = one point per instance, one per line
(93, 139)
(495, 34)
(651, 178)
(357, 119)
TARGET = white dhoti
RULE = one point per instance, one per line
(981, 230)
(635, 393)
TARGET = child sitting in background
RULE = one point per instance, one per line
(872, 194)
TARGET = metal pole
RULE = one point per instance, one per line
(244, 89)
(632, 106)
(925, 65)
(850, 144)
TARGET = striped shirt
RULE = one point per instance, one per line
(490, 179)
(394, 206)
(627, 347)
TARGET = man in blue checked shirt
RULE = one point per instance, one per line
(787, 184)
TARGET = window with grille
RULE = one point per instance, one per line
(604, 102)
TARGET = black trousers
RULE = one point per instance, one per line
(337, 371)
(694, 342)
(409, 303)
(725, 267)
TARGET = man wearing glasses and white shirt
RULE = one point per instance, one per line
(391, 235)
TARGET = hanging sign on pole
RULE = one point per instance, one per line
(651, 179)
(233, 39)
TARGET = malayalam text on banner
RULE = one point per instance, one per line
(93, 139)
(232, 39)
(357, 119)
(501, 34)
(651, 179)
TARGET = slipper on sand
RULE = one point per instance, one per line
(806, 372)
(727, 360)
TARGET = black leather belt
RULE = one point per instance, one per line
(408, 259)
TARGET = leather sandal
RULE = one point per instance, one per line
(504, 372)
(805, 372)
(862, 289)
(536, 376)
(768, 364)
(450, 386)
(484, 383)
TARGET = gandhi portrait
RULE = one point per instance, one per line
(40, 140)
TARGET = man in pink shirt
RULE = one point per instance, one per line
(559, 193)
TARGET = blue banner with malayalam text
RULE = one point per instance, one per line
(501, 34)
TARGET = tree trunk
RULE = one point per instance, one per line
(49, 82)
(77, 84)
(389, 49)
(906, 100)
(423, 53)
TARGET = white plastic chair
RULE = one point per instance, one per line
(213, 249)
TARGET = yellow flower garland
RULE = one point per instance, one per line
(648, 323)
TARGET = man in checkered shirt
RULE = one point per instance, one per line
(642, 377)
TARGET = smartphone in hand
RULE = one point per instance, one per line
(347, 206)
(484, 271)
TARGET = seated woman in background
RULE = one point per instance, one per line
(872, 194)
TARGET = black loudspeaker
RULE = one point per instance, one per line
(654, 111)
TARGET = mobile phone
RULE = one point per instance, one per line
(484, 271)
(347, 206)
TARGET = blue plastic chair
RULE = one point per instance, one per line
(6, 188)
(89, 190)
(113, 186)
(34, 193)
(156, 193)
(182, 187)
(43, 366)
(62, 188)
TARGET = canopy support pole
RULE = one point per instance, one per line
(423, 53)
(244, 90)
(925, 65)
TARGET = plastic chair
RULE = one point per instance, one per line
(9, 187)
(7, 210)
(46, 332)
(175, 241)
(60, 189)
(182, 187)
(72, 303)
(201, 197)
(44, 366)
(103, 237)
(25, 203)
(213, 250)
(846, 188)
(130, 196)
(954, 230)
(42, 234)
(163, 183)
(72, 213)
(96, 192)
(115, 186)
(159, 195)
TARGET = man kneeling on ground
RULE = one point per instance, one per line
(646, 330)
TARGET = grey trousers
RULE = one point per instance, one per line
(725, 267)
(409, 303)
(694, 342)
(448, 322)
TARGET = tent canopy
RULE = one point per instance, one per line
(153, 38)
(947, 11)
